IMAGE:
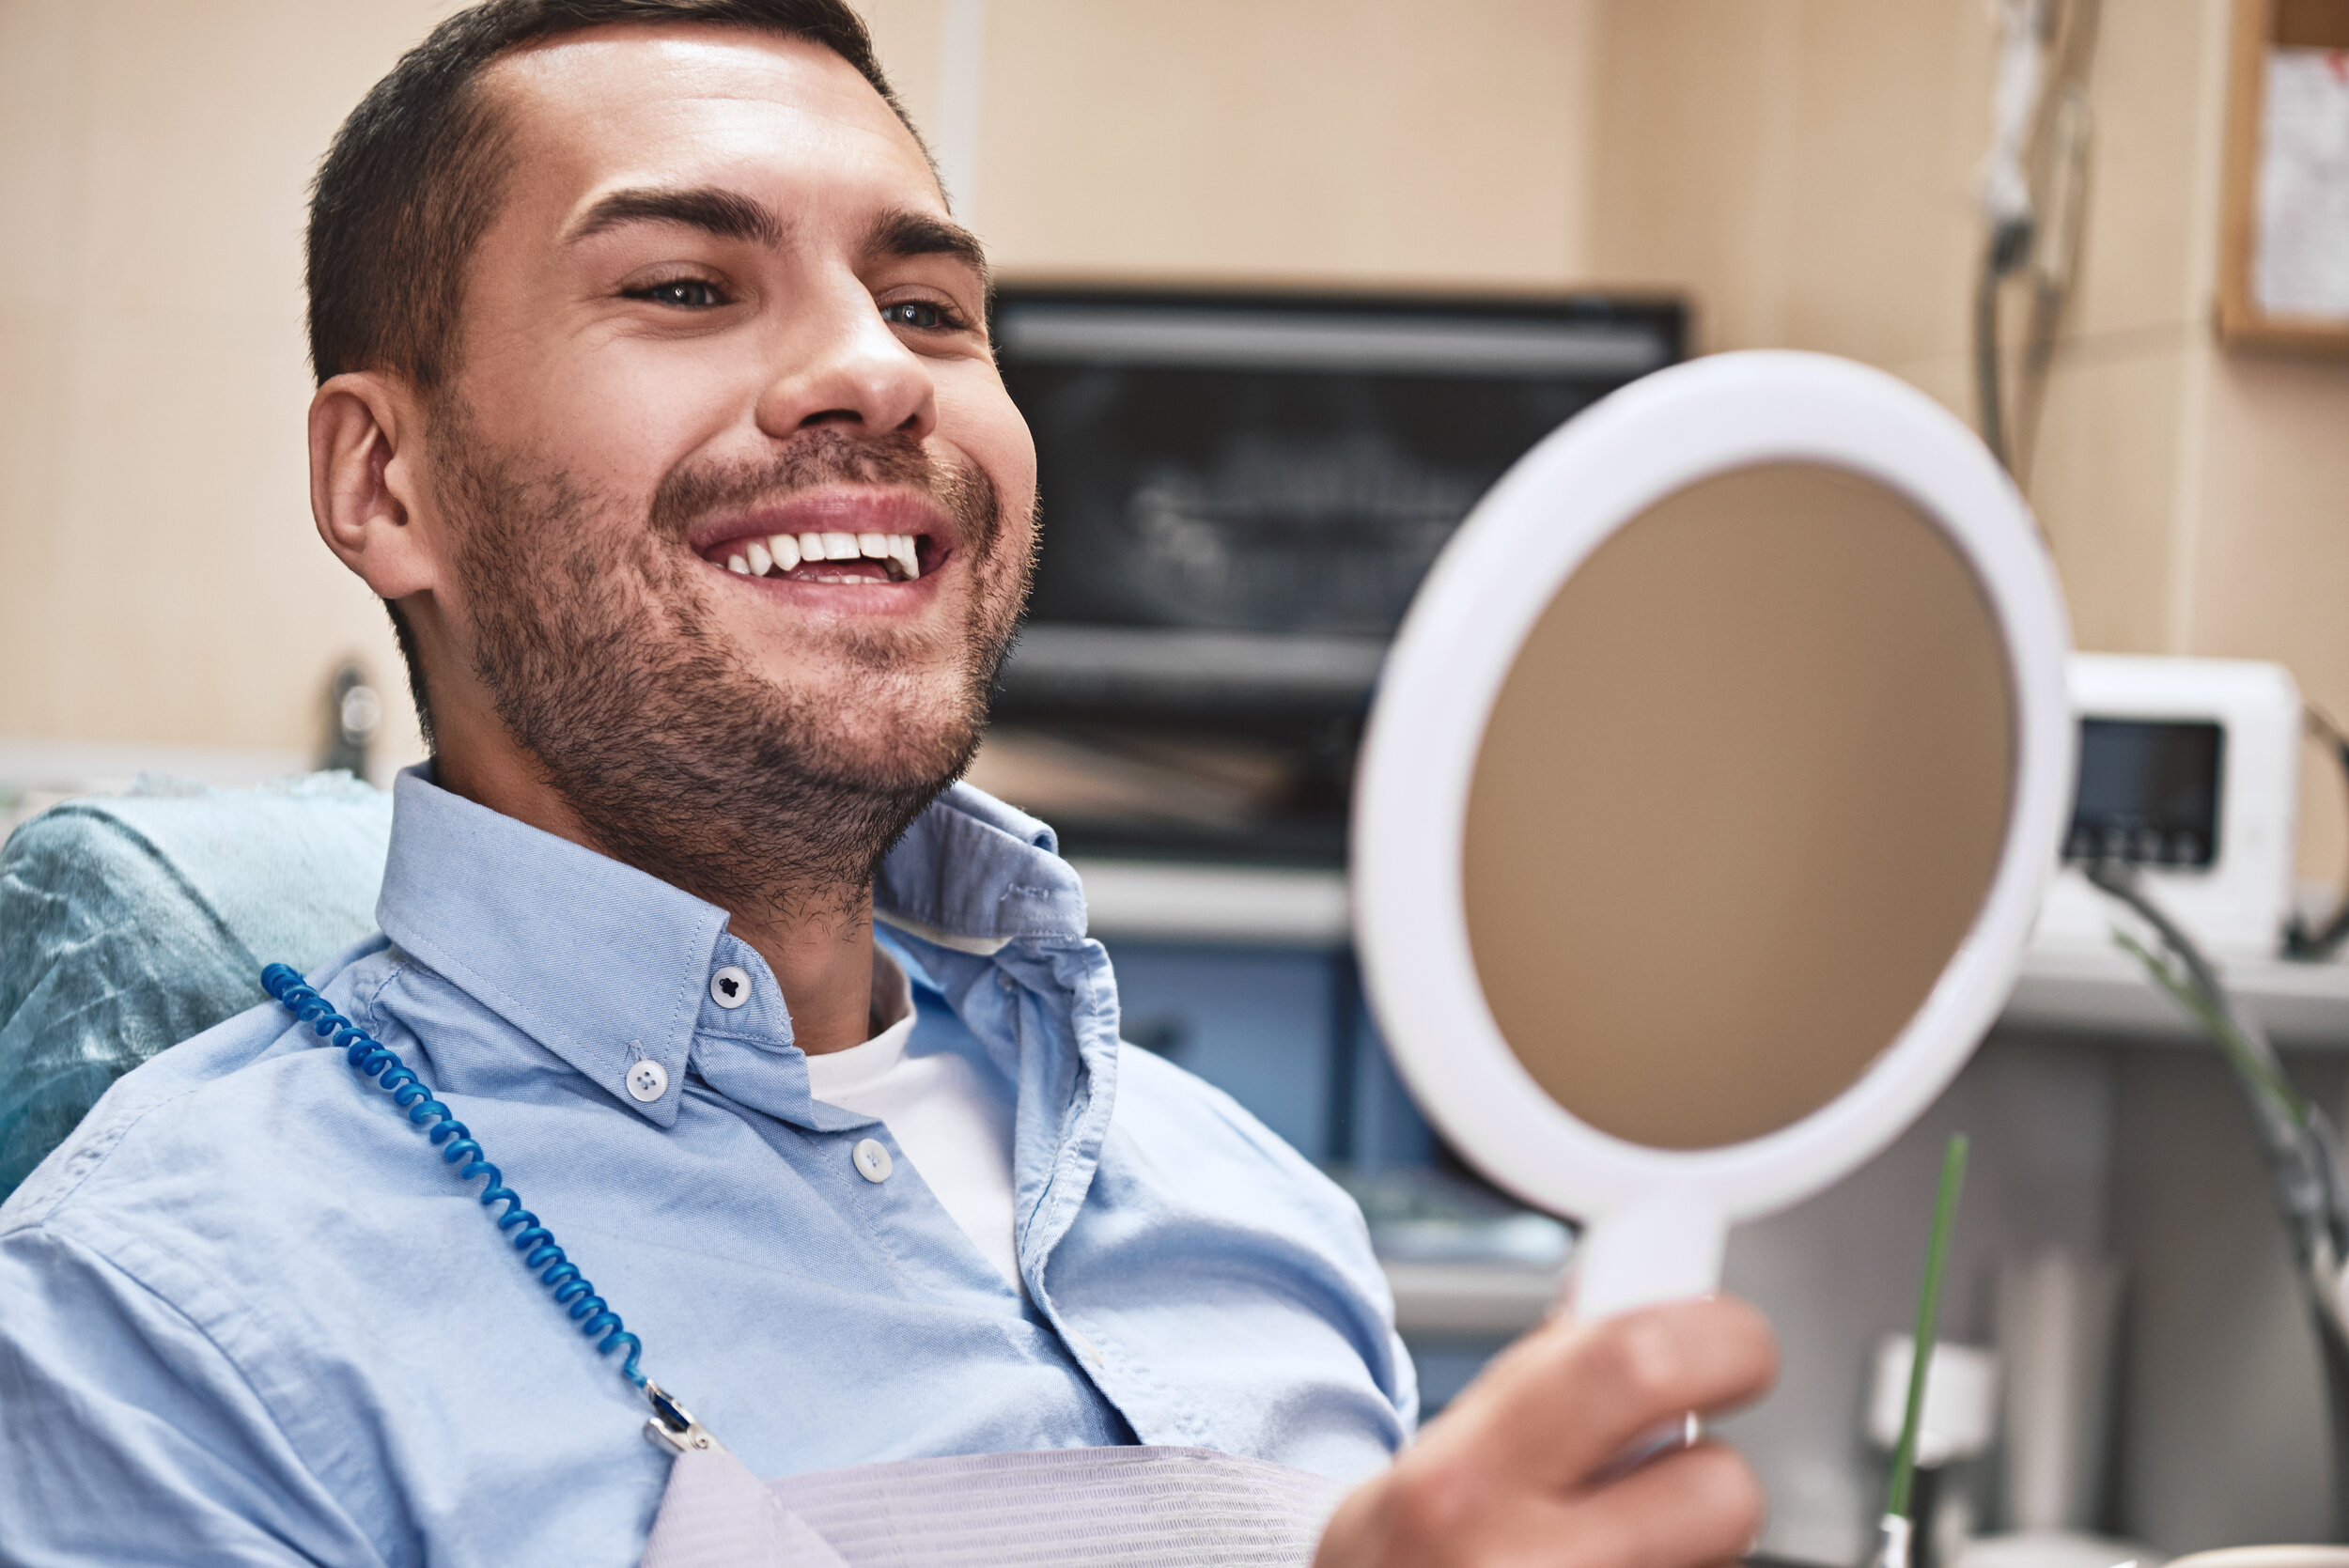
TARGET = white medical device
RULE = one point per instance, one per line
(2190, 770)
(1710, 792)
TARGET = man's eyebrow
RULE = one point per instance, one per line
(727, 214)
(905, 233)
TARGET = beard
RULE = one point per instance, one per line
(595, 638)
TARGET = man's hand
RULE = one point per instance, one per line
(1521, 1468)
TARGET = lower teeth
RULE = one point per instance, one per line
(893, 570)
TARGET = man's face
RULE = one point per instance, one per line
(720, 306)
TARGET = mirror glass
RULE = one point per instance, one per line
(1742, 796)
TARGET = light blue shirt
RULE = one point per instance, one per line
(247, 1314)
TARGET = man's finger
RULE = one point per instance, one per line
(1570, 1397)
(1693, 1509)
(1699, 1505)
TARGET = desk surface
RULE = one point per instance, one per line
(1462, 1301)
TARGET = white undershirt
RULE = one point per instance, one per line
(950, 1116)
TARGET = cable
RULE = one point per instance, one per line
(2009, 243)
(2302, 1151)
(2055, 253)
(2299, 942)
(2034, 184)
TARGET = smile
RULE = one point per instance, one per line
(825, 557)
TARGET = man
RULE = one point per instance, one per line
(655, 399)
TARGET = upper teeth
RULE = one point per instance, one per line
(780, 553)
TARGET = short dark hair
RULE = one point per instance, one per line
(412, 181)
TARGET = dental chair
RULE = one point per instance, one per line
(129, 923)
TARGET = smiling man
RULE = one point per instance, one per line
(655, 399)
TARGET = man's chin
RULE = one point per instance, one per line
(888, 749)
(896, 775)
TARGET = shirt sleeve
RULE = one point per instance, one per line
(126, 1435)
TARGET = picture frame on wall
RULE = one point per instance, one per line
(2283, 278)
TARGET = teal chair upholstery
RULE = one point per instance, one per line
(129, 923)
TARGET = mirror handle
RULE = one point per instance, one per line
(1666, 1246)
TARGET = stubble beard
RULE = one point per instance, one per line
(595, 638)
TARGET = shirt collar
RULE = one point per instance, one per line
(599, 962)
(975, 874)
(605, 965)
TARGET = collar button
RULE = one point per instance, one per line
(648, 1081)
(730, 988)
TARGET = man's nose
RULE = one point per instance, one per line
(840, 364)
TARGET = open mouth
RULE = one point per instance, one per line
(825, 557)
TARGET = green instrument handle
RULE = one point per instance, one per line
(1928, 1316)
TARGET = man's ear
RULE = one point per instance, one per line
(360, 492)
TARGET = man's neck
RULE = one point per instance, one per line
(824, 963)
(818, 942)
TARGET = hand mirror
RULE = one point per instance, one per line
(1706, 801)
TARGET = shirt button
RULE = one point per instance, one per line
(871, 1158)
(730, 988)
(647, 1081)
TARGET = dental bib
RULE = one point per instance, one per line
(1137, 1507)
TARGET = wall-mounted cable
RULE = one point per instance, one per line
(2034, 203)
(2321, 943)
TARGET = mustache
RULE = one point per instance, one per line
(824, 457)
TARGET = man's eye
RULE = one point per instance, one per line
(684, 293)
(921, 314)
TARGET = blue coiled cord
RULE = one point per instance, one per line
(373, 1060)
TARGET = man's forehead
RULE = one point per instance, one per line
(632, 104)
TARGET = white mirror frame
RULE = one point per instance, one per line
(1656, 1217)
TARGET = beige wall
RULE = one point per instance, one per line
(1320, 139)
(159, 580)
(1803, 168)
